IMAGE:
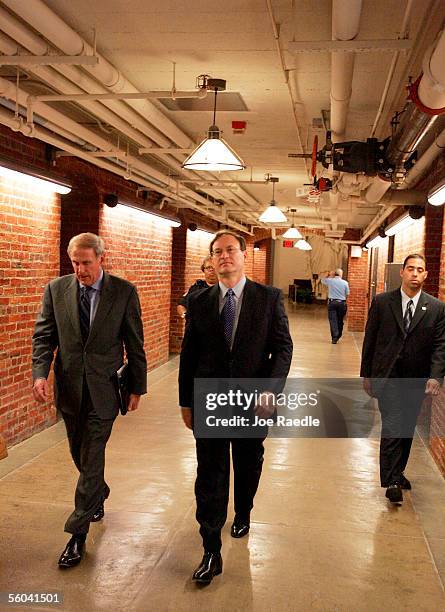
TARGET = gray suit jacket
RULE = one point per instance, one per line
(117, 324)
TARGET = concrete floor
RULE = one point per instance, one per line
(323, 536)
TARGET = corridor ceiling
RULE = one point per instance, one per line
(278, 82)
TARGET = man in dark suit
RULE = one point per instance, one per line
(403, 359)
(235, 329)
(88, 318)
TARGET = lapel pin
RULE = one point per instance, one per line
(423, 307)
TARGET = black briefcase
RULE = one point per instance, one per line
(122, 388)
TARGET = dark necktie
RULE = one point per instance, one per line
(84, 310)
(408, 317)
(228, 316)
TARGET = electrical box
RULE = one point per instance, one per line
(392, 276)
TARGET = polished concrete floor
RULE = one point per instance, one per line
(323, 536)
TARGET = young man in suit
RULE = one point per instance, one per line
(235, 329)
(403, 359)
(88, 317)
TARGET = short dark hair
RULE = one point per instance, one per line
(413, 256)
(227, 232)
(204, 261)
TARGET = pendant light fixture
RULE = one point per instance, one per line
(214, 154)
(303, 245)
(292, 232)
(273, 214)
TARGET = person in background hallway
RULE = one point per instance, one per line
(338, 291)
(403, 359)
(210, 280)
(235, 329)
(88, 317)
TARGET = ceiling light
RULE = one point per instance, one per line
(292, 232)
(399, 225)
(436, 195)
(303, 245)
(273, 214)
(375, 242)
(214, 154)
(256, 246)
(35, 180)
(153, 215)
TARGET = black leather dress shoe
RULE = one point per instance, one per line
(394, 493)
(211, 565)
(72, 555)
(405, 483)
(99, 514)
(239, 528)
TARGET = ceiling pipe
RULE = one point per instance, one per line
(425, 161)
(120, 115)
(345, 26)
(37, 14)
(426, 103)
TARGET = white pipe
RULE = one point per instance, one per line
(345, 26)
(377, 190)
(53, 28)
(425, 161)
(432, 83)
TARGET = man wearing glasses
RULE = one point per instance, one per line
(235, 329)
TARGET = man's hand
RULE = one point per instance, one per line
(133, 402)
(367, 386)
(186, 414)
(432, 387)
(40, 390)
(265, 406)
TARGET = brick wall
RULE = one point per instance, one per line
(411, 240)
(29, 258)
(358, 282)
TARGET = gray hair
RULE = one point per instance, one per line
(87, 240)
(338, 272)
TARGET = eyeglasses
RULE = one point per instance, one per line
(230, 251)
(209, 268)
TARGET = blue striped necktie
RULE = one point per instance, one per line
(84, 310)
(228, 316)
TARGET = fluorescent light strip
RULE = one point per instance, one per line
(436, 197)
(44, 184)
(158, 218)
(375, 242)
(399, 225)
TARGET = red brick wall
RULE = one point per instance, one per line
(29, 258)
(358, 282)
(139, 250)
(411, 240)
(382, 260)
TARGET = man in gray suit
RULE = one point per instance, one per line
(88, 318)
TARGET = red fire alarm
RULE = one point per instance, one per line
(239, 127)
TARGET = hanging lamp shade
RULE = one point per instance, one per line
(303, 245)
(273, 214)
(213, 154)
(292, 233)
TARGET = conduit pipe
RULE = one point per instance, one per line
(345, 26)
(427, 102)
(53, 28)
(425, 161)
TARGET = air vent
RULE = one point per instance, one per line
(229, 101)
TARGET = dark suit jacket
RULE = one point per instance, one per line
(422, 349)
(117, 324)
(262, 347)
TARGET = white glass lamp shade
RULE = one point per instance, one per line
(273, 214)
(292, 233)
(214, 155)
(303, 245)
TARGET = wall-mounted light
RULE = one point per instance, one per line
(399, 225)
(436, 195)
(256, 246)
(375, 242)
(273, 214)
(214, 154)
(111, 200)
(35, 180)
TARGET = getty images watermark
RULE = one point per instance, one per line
(303, 407)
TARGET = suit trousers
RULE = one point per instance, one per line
(88, 435)
(336, 313)
(212, 483)
(400, 402)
